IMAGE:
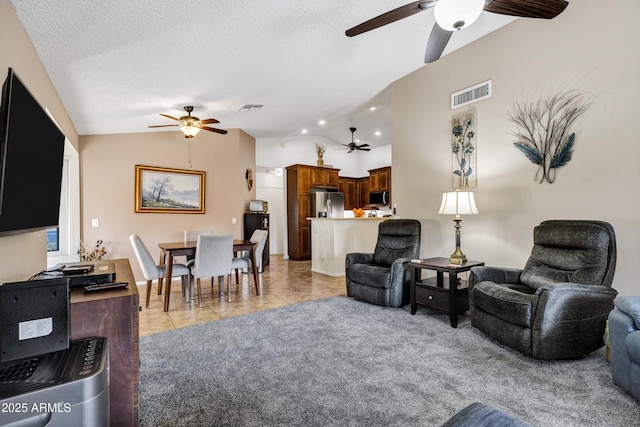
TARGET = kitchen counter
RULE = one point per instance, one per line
(333, 238)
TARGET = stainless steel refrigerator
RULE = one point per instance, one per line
(326, 204)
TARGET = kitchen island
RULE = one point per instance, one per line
(333, 238)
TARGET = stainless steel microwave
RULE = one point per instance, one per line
(379, 198)
(258, 206)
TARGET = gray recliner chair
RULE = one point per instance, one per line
(382, 277)
(624, 334)
(557, 306)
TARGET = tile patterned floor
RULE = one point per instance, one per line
(283, 282)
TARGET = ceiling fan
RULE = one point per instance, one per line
(453, 15)
(353, 146)
(191, 125)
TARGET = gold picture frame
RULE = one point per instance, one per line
(167, 190)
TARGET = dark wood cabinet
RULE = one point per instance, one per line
(114, 314)
(380, 179)
(363, 191)
(300, 180)
(349, 186)
(324, 177)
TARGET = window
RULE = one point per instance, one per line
(53, 239)
(62, 242)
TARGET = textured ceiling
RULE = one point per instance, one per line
(117, 64)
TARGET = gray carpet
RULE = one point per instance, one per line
(339, 362)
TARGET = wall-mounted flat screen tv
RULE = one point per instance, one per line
(31, 159)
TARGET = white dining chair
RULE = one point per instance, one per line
(192, 235)
(213, 259)
(243, 262)
(151, 271)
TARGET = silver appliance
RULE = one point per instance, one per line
(258, 206)
(325, 204)
(379, 198)
(64, 388)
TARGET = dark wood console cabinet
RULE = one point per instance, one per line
(114, 314)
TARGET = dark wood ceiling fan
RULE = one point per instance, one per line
(544, 9)
(353, 146)
(191, 125)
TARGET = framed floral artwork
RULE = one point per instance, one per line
(165, 190)
(463, 149)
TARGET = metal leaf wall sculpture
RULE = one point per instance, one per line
(544, 134)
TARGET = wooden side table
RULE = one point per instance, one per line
(431, 292)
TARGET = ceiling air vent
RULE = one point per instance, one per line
(471, 94)
(250, 108)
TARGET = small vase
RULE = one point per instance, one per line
(320, 161)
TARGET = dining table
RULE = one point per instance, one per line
(170, 250)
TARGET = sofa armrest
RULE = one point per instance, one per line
(494, 274)
(399, 268)
(356, 258)
(572, 301)
(482, 415)
(630, 305)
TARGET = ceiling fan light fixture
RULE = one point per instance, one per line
(189, 131)
(452, 15)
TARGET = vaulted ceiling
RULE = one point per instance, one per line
(118, 64)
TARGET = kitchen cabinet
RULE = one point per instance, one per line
(380, 179)
(300, 180)
(349, 186)
(363, 191)
(324, 177)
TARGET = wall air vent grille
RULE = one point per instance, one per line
(471, 94)
(250, 108)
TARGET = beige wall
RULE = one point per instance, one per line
(584, 49)
(108, 178)
(25, 254)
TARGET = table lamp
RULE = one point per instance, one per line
(458, 203)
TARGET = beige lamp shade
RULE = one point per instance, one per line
(458, 203)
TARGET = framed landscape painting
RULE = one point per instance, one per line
(165, 190)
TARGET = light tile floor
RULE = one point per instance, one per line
(283, 282)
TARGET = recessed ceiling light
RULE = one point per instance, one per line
(321, 122)
(304, 131)
(378, 133)
(372, 109)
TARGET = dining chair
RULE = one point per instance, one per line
(213, 259)
(244, 261)
(151, 271)
(192, 235)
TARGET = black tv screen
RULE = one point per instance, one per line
(31, 159)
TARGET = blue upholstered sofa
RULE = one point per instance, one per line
(624, 334)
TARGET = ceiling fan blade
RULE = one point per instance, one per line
(364, 149)
(350, 151)
(391, 16)
(169, 117)
(438, 40)
(363, 145)
(161, 126)
(209, 121)
(545, 9)
(221, 131)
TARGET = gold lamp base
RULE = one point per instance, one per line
(457, 257)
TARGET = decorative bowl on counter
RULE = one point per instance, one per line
(358, 213)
